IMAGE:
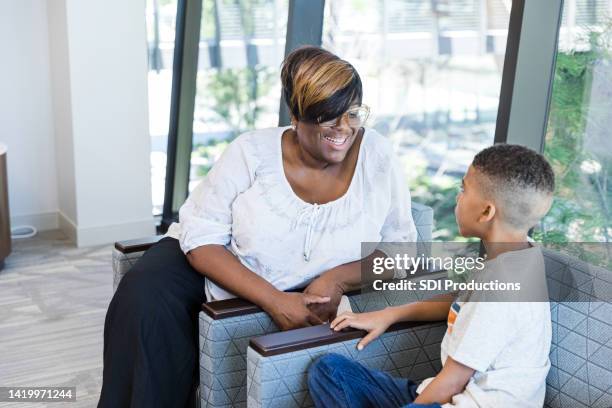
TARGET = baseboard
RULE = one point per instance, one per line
(86, 236)
(107, 234)
(67, 226)
(42, 222)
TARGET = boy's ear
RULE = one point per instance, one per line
(488, 212)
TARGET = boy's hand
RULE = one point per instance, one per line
(375, 323)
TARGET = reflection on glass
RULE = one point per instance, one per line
(242, 45)
(431, 71)
(578, 141)
(161, 22)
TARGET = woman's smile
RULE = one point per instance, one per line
(337, 141)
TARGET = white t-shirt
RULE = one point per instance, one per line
(507, 343)
(247, 204)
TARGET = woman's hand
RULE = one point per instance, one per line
(289, 310)
(325, 285)
(375, 323)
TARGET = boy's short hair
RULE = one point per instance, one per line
(519, 181)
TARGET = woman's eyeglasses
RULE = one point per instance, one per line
(356, 117)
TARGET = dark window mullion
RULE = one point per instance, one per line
(180, 134)
(509, 71)
(527, 82)
(304, 27)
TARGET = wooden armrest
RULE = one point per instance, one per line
(314, 336)
(137, 245)
(222, 309)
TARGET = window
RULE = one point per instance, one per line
(242, 44)
(431, 72)
(577, 141)
(161, 22)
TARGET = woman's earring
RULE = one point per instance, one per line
(293, 125)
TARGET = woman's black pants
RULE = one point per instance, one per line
(151, 332)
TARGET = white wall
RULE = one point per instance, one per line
(73, 104)
(62, 109)
(105, 93)
(26, 120)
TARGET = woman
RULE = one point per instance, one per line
(282, 208)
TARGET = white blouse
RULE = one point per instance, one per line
(246, 204)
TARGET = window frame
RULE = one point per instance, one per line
(525, 93)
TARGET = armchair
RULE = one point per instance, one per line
(581, 352)
(227, 326)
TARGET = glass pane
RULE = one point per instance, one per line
(431, 72)
(242, 45)
(578, 142)
(161, 23)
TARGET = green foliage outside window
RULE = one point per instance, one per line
(234, 99)
(581, 208)
(575, 145)
(234, 95)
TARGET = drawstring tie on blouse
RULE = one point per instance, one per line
(313, 213)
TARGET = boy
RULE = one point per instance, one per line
(494, 354)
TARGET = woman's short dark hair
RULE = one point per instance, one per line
(319, 86)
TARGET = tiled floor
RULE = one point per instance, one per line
(53, 299)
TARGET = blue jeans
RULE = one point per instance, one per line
(336, 381)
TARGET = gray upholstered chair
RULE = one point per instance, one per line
(581, 351)
(226, 327)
